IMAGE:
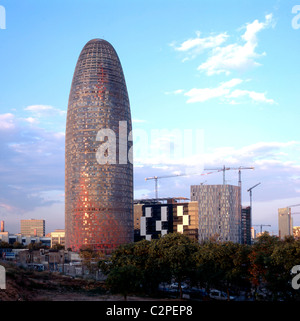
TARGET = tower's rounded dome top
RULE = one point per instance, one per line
(98, 41)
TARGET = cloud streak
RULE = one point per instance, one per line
(224, 59)
(195, 46)
(227, 94)
(237, 57)
(32, 161)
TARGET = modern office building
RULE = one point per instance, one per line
(219, 212)
(33, 227)
(157, 217)
(285, 222)
(246, 225)
(98, 164)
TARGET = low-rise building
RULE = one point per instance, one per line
(57, 237)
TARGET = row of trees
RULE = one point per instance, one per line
(142, 266)
(30, 246)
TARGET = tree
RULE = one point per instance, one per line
(232, 261)
(208, 274)
(222, 264)
(284, 256)
(90, 258)
(5, 245)
(58, 247)
(36, 246)
(260, 259)
(124, 280)
(137, 255)
(173, 256)
(18, 245)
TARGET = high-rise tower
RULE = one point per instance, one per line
(285, 222)
(219, 211)
(98, 165)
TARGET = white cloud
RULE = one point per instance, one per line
(175, 92)
(231, 83)
(194, 46)
(44, 110)
(203, 94)
(225, 92)
(31, 120)
(38, 108)
(7, 121)
(255, 96)
(237, 57)
(261, 154)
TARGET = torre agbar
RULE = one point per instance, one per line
(98, 194)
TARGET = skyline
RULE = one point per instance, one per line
(229, 70)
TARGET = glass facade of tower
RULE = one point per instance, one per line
(98, 195)
(219, 211)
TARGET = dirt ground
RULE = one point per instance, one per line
(25, 285)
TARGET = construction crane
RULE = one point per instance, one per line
(250, 191)
(156, 178)
(294, 205)
(223, 169)
(261, 226)
(215, 170)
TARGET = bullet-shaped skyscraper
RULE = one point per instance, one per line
(98, 159)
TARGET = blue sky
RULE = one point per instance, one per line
(229, 69)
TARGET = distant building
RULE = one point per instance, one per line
(285, 222)
(2, 226)
(259, 234)
(246, 225)
(155, 218)
(253, 233)
(57, 237)
(219, 211)
(296, 232)
(33, 227)
(26, 240)
(4, 236)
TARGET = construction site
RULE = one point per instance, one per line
(249, 229)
